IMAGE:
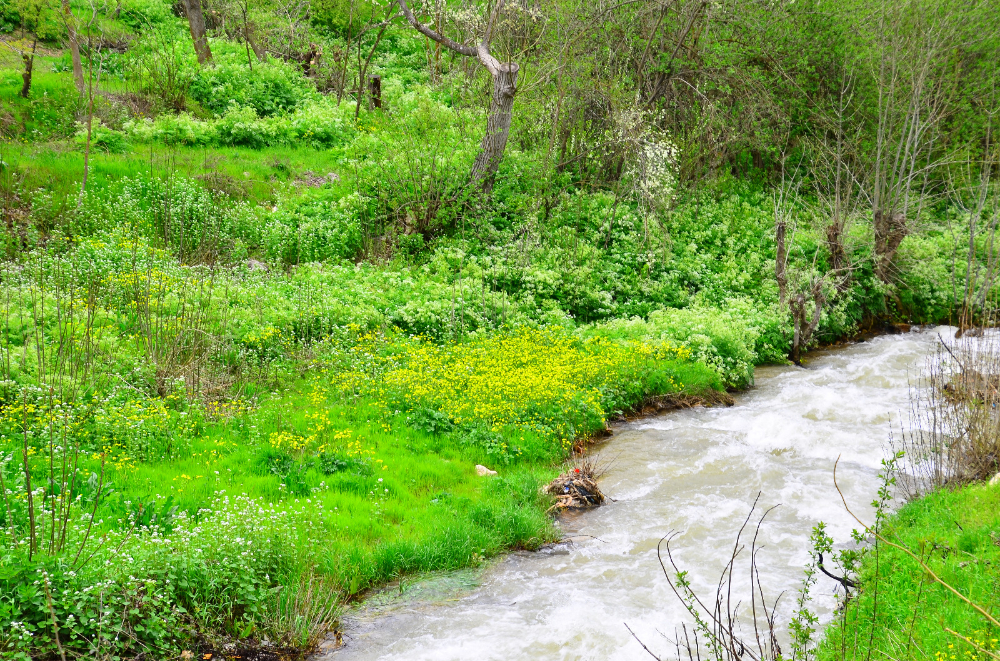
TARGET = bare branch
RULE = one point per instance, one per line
(431, 34)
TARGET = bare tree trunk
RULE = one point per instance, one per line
(915, 88)
(260, 51)
(29, 65)
(491, 149)
(805, 326)
(196, 21)
(781, 260)
(363, 68)
(890, 230)
(74, 46)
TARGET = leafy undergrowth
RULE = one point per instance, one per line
(905, 614)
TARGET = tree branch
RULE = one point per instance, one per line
(431, 34)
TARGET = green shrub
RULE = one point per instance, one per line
(161, 65)
(10, 19)
(180, 129)
(270, 88)
(102, 138)
(414, 165)
(317, 123)
(239, 126)
(317, 227)
(724, 339)
(140, 14)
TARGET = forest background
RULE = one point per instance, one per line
(277, 276)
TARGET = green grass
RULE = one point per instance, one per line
(254, 174)
(411, 489)
(901, 613)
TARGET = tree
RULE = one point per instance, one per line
(74, 45)
(973, 189)
(196, 21)
(804, 291)
(504, 88)
(40, 20)
(915, 85)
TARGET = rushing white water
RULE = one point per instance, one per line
(695, 471)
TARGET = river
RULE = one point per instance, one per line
(695, 471)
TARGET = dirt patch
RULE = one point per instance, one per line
(250, 649)
(674, 401)
(313, 180)
(136, 104)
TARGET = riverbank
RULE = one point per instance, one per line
(901, 610)
(254, 520)
(695, 471)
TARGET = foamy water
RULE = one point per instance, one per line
(695, 471)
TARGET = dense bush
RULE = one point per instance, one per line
(139, 14)
(270, 88)
(10, 19)
(731, 340)
(102, 138)
(414, 164)
(314, 228)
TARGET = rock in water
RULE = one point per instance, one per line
(482, 471)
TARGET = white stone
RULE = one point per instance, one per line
(483, 470)
(995, 480)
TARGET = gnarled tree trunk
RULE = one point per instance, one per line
(494, 143)
(196, 21)
(29, 64)
(804, 325)
(890, 230)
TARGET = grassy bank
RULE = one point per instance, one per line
(903, 613)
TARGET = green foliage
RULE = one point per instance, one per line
(731, 340)
(162, 65)
(102, 138)
(48, 114)
(38, 17)
(317, 227)
(340, 15)
(146, 588)
(317, 123)
(10, 19)
(414, 165)
(269, 88)
(141, 14)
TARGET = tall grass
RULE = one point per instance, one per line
(954, 433)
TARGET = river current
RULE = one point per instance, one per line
(695, 471)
